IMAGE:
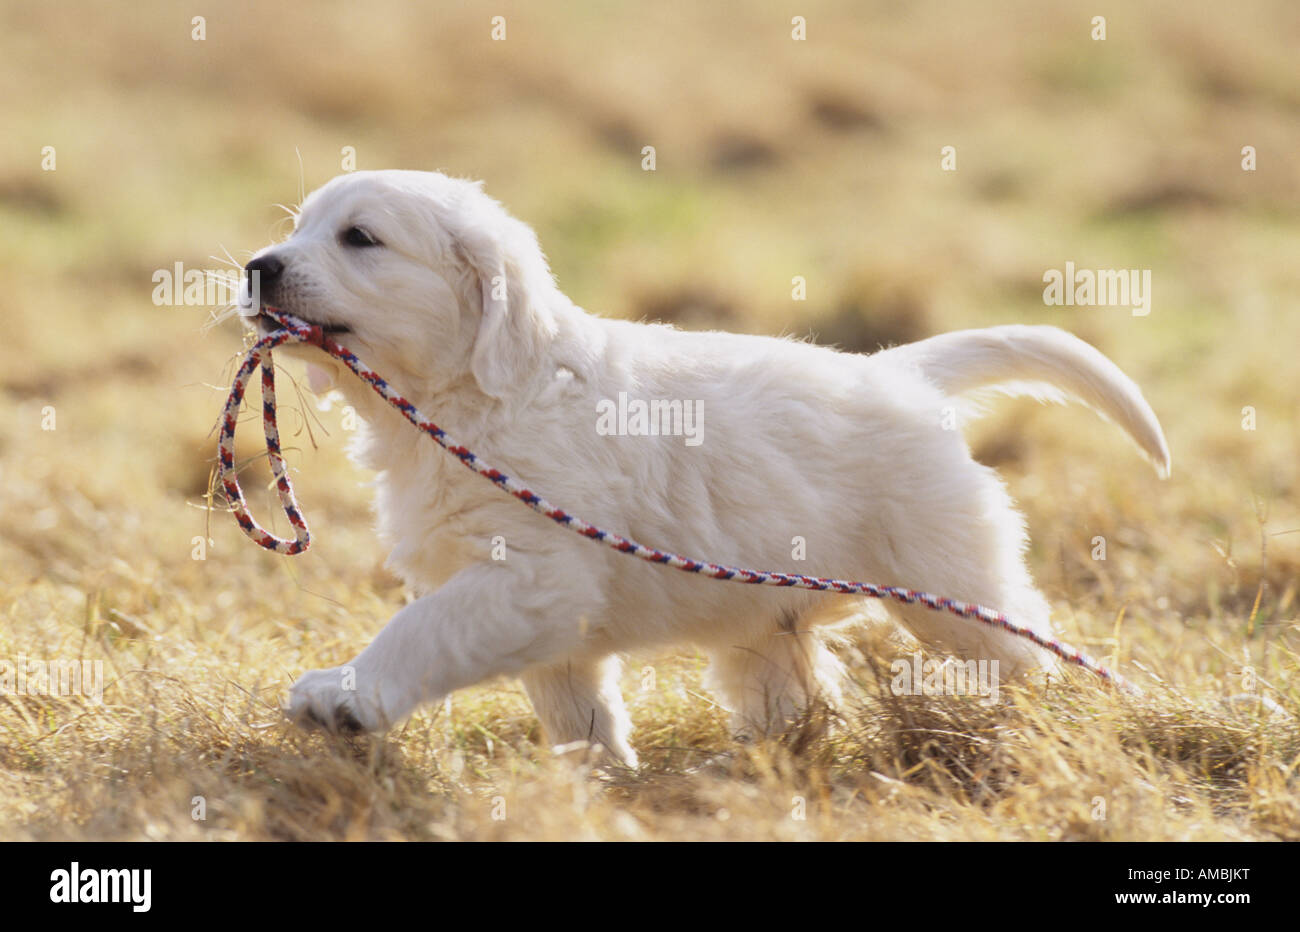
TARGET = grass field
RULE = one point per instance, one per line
(775, 158)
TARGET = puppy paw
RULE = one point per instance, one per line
(335, 700)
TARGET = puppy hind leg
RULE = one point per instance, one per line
(973, 550)
(968, 639)
(769, 681)
(579, 700)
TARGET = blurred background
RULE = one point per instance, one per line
(775, 158)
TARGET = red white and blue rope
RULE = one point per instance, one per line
(295, 330)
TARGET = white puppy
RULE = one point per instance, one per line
(448, 297)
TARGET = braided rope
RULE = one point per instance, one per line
(295, 330)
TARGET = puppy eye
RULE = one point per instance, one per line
(356, 236)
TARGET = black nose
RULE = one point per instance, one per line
(267, 269)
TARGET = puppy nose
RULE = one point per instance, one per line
(268, 269)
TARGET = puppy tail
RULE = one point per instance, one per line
(1043, 362)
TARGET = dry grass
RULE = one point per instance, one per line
(775, 159)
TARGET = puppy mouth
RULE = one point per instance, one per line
(267, 324)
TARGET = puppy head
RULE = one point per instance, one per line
(424, 277)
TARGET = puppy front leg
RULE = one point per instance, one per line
(579, 700)
(483, 622)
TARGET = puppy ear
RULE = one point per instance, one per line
(512, 329)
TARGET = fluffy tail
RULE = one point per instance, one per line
(1044, 362)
